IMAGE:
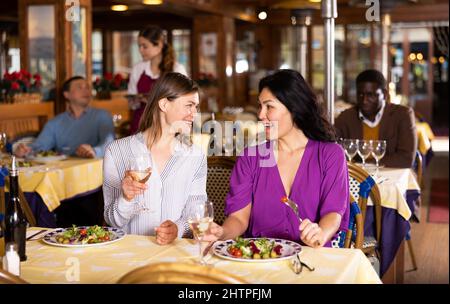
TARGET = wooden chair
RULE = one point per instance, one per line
(8, 278)
(355, 234)
(418, 169)
(218, 183)
(178, 273)
(362, 186)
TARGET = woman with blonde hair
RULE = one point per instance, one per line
(160, 205)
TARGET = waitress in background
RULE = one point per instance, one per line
(158, 58)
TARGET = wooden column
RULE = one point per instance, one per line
(63, 24)
(224, 30)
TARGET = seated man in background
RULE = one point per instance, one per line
(81, 130)
(375, 118)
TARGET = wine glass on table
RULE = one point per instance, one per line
(200, 218)
(350, 147)
(378, 151)
(364, 150)
(140, 170)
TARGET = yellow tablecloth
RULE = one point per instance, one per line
(424, 137)
(106, 264)
(393, 184)
(61, 180)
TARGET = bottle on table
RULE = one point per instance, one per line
(15, 222)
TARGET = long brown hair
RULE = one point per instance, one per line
(155, 34)
(171, 86)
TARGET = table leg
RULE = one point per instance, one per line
(395, 272)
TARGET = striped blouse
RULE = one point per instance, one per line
(169, 195)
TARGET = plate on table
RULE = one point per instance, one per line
(47, 159)
(285, 249)
(83, 236)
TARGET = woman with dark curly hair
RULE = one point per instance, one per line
(308, 167)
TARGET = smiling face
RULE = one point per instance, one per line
(276, 117)
(148, 49)
(370, 98)
(179, 113)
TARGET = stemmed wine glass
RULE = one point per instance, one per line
(200, 218)
(350, 147)
(365, 149)
(140, 170)
(378, 151)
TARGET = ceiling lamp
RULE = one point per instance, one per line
(262, 14)
(315, 1)
(152, 2)
(119, 8)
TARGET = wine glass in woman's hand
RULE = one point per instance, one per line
(140, 170)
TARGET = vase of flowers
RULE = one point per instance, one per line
(21, 87)
(110, 85)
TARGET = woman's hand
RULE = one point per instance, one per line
(214, 233)
(130, 187)
(166, 233)
(311, 234)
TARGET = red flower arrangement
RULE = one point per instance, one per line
(110, 83)
(20, 82)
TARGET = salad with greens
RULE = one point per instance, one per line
(255, 249)
(84, 235)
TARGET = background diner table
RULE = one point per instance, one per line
(108, 263)
(46, 185)
(399, 191)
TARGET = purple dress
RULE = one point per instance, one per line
(320, 186)
(144, 86)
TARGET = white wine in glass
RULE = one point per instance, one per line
(140, 170)
(200, 218)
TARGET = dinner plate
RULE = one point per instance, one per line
(288, 251)
(50, 237)
(47, 159)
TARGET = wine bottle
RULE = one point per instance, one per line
(15, 222)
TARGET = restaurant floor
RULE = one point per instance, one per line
(430, 240)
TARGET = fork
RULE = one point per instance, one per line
(288, 202)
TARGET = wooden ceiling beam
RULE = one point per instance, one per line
(218, 7)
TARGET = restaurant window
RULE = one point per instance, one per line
(41, 45)
(181, 42)
(339, 49)
(294, 50)
(125, 51)
(358, 56)
(79, 45)
(317, 46)
(97, 54)
(245, 53)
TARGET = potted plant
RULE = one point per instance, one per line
(21, 87)
(110, 86)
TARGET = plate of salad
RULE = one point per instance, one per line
(83, 236)
(47, 157)
(256, 249)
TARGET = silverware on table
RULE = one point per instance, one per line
(298, 265)
(36, 234)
